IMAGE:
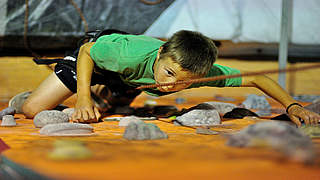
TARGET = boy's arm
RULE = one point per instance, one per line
(272, 89)
(85, 111)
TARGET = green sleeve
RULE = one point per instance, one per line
(219, 70)
(106, 53)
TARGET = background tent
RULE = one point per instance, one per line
(57, 24)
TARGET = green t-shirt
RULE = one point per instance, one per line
(133, 56)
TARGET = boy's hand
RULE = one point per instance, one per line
(85, 111)
(309, 118)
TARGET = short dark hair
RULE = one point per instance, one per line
(191, 50)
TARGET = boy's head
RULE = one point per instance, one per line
(186, 55)
(192, 50)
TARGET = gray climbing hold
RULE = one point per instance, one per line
(306, 98)
(206, 131)
(8, 120)
(124, 121)
(280, 136)
(69, 150)
(50, 117)
(264, 112)
(199, 117)
(69, 112)
(67, 129)
(143, 131)
(256, 102)
(316, 100)
(314, 107)
(222, 107)
(7, 111)
(180, 100)
(311, 131)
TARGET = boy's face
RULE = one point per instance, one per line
(166, 70)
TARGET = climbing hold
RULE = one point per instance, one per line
(67, 129)
(7, 111)
(69, 150)
(280, 136)
(199, 117)
(8, 120)
(143, 131)
(69, 112)
(50, 117)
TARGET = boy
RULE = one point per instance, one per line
(122, 62)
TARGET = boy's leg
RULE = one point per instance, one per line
(48, 95)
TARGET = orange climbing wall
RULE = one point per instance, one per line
(185, 155)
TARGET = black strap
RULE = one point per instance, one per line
(287, 109)
(90, 36)
(47, 61)
(70, 64)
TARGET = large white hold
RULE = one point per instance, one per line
(50, 117)
(67, 129)
(199, 117)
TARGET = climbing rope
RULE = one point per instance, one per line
(272, 71)
(81, 15)
(151, 2)
(26, 24)
(25, 32)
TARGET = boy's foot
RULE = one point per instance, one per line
(17, 101)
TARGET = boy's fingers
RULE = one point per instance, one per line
(75, 115)
(97, 113)
(304, 115)
(85, 115)
(312, 120)
(79, 116)
(295, 120)
(315, 119)
(306, 120)
(91, 114)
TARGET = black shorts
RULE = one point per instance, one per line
(67, 72)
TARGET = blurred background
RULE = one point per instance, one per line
(251, 35)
